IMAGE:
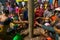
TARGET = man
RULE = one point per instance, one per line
(8, 7)
(47, 12)
(39, 11)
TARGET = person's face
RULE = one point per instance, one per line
(7, 3)
(14, 4)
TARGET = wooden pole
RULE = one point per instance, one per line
(31, 16)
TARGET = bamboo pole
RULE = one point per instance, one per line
(31, 16)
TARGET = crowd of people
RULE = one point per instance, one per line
(13, 18)
(48, 18)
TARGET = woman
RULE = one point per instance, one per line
(5, 20)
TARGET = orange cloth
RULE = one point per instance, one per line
(49, 38)
(53, 18)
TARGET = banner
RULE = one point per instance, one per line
(25, 0)
(18, 0)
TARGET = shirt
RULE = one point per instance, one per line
(39, 12)
(47, 13)
(53, 18)
(16, 10)
(48, 28)
(25, 15)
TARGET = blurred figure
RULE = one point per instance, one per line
(47, 12)
(1, 8)
(42, 1)
(25, 13)
(8, 7)
(55, 3)
(54, 17)
(45, 4)
(16, 8)
(39, 11)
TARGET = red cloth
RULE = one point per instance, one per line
(20, 11)
(17, 10)
(49, 38)
(53, 18)
(39, 12)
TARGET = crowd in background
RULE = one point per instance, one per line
(15, 17)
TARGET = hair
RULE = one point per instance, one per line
(6, 12)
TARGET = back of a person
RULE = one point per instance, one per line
(25, 14)
(39, 12)
(57, 24)
(47, 13)
(57, 27)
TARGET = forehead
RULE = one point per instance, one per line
(7, 3)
